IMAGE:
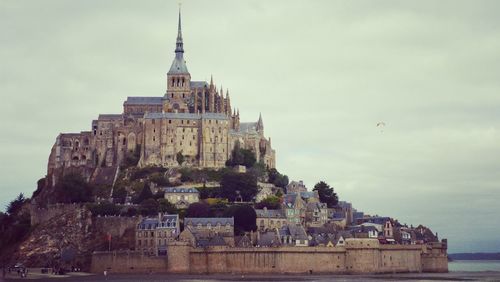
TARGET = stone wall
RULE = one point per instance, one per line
(115, 225)
(127, 262)
(41, 215)
(357, 257)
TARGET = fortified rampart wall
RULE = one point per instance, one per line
(358, 256)
(41, 215)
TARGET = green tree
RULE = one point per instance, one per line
(271, 203)
(244, 218)
(73, 188)
(180, 158)
(165, 206)
(15, 206)
(119, 195)
(259, 170)
(326, 194)
(277, 178)
(144, 195)
(243, 184)
(241, 156)
(198, 210)
(149, 207)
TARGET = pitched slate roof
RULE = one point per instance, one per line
(378, 219)
(289, 200)
(296, 231)
(198, 84)
(242, 241)
(180, 190)
(167, 221)
(266, 213)
(190, 116)
(212, 220)
(267, 239)
(178, 66)
(110, 117)
(143, 101)
(248, 127)
(313, 206)
(308, 194)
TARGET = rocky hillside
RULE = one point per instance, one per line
(69, 238)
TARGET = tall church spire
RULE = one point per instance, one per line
(179, 65)
(179, 48)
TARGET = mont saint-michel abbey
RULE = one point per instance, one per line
(193, 118)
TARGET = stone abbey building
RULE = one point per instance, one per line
(193, 118)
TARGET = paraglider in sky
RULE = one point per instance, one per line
(381, 125)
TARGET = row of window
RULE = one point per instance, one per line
(153, 121)
(161, 234)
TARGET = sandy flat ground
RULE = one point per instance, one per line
(452, 276)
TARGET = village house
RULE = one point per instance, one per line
(182, 197)
(153, 233)
(269, 238)
(294, 208)
(293, 235)
(270, 219)
(296, 187)
(316, 214)
(204, 232)
(364, 231)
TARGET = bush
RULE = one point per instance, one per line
(144, 195)
(271, 203)
(73, 189)
(202, 175)
(103, 209)
(141, 173)
(149, 207)
(210, 192)
(159, 179)
(132, 158)
(243, 183)
(165, 206)
(244, 218)
(278, 179)
(180, 158)
(241, 156)
(198, 210)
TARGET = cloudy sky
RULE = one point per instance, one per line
(323, 74)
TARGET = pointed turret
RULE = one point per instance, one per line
(260, 124)
(228, 103)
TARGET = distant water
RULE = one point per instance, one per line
(474, 265)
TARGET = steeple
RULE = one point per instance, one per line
(179, 64)
(260, 123)
(179, 48)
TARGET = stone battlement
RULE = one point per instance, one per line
(374, 258)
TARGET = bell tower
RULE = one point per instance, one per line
(178, 79)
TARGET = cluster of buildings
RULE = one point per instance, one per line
(302, 220)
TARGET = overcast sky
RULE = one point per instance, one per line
(323, 74)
